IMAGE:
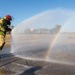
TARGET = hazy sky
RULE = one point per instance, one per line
(24, 9)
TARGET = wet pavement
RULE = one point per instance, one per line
(11, 65)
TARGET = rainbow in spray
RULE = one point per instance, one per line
(56, 37)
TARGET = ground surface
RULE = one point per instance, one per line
(11, 65)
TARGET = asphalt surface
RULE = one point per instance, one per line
(13, 65)
(10, 65)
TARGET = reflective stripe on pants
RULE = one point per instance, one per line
(2, 40)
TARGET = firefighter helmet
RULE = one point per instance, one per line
(8, 17)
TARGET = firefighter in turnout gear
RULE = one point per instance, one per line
(5, 23)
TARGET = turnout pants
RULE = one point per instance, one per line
(2, 41)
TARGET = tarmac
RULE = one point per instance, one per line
(13, 65)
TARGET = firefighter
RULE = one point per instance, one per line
(5, 23)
